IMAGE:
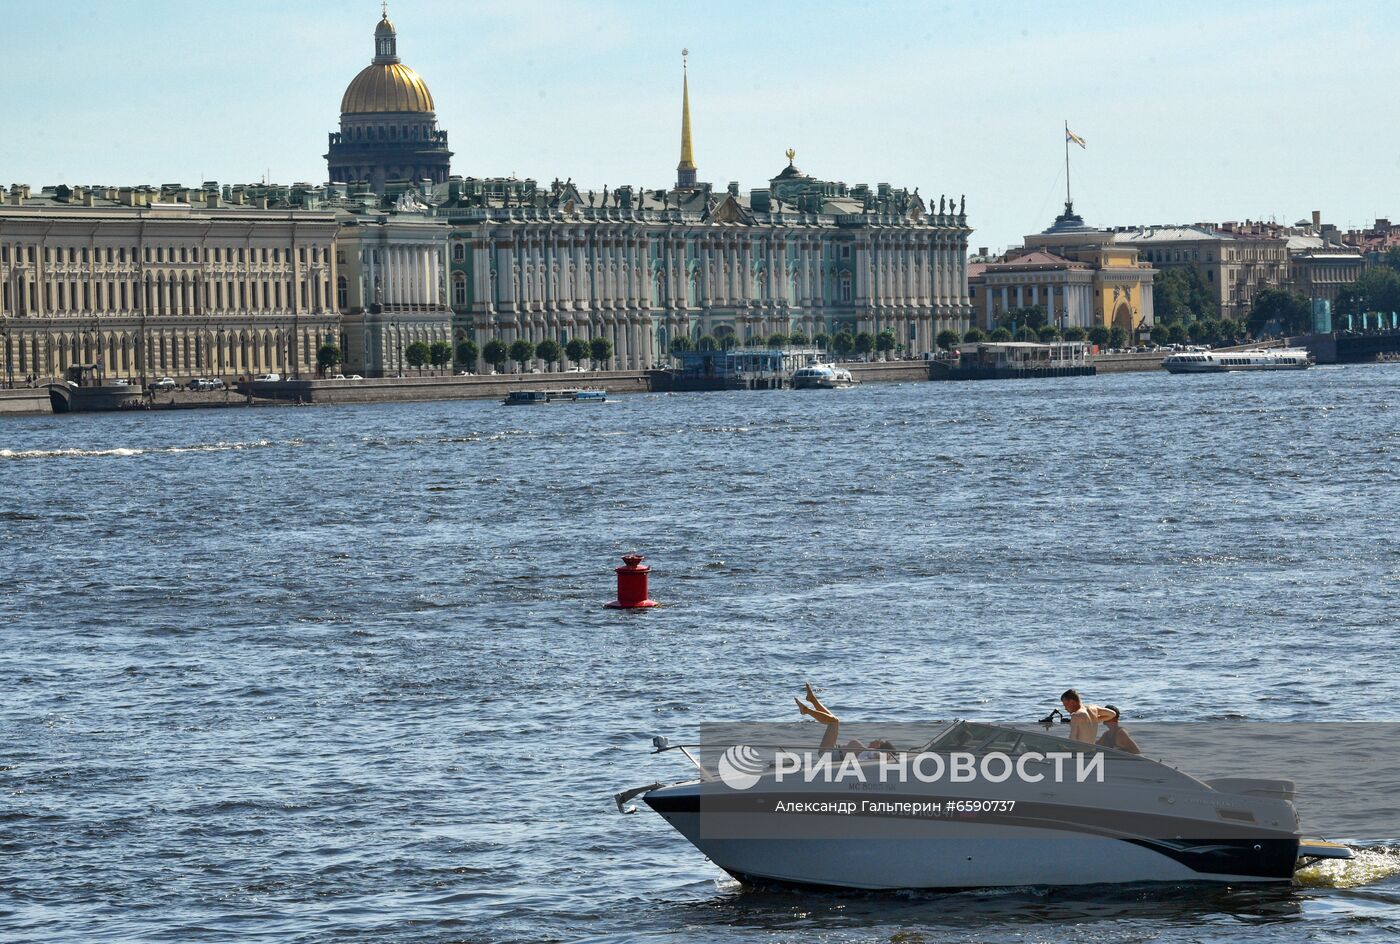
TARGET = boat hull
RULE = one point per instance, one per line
(890, 853)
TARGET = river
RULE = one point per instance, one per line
(342, 673)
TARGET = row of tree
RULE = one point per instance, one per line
(843, 343)
(497, 353)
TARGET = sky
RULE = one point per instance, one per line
(1191, 111)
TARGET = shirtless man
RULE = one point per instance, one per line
(1084, 719)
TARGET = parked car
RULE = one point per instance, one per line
(268, 378)
(164, 383)
(354, 377)
(121, 382)
(336, 377)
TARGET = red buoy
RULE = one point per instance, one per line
(632, 585)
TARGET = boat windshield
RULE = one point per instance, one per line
(984, 738)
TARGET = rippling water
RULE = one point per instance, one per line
(339, 674)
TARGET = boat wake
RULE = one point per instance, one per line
(1367, 866)
(75, 453)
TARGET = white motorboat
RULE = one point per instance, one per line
(1214, 362)
(821, 376)
(1143, 822)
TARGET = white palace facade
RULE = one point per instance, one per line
(152, 282)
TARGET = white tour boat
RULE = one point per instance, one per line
(1214, 362)
(820, 376)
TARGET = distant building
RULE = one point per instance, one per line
(1319, 269)
(1238, 260)
(392, 284)
(1080, 275)
(147, 281)
(388, 125)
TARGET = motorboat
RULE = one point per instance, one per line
(1214, 362)
(822, 376)
(566, 395)
(1142, 821)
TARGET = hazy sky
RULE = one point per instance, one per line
(1191, 111)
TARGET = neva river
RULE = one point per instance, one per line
(341, 673)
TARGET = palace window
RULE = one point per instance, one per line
(459, 291)
(342, 293)
(459, 252)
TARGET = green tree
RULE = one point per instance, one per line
(440, 353)
(522, 352)
(707, 342)
(1228, 330)
(1117, 336)
(577, 349)
(822, 340)
(974, 336)
(327, 356)
(885, 341)
(1027, 333)
(1176, 333)
(729, 341)
(1180, 293)
(1000, 334)
(600, 351)
(1378, 289)
(1099, 335)
(1198, 331)
(1277, 311)
(1160, 334)
(843, 344)
(467, 354)
(947, 339)
(1030, 316)
(496, 354)
(1048, 334)
(799, 339)
(549, 351)
(1075, 333)
(681, 344)
(864, 343)
(417, 355)
(777, 339)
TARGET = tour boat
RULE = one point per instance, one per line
(820, 376)
(1213, 362)
(540, 397)
(1142, 821)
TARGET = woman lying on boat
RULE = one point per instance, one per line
(820, 712)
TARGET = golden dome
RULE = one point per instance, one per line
(386, 87)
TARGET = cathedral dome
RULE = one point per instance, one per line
(386, 86)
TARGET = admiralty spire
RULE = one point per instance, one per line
(388, 126)
(685, 170)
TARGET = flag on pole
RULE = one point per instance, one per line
(1071, 136)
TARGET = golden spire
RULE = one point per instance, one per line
(685, 170)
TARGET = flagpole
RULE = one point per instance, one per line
(1068, 201)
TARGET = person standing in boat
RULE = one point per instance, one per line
(1083, 718)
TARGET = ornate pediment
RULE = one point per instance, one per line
(728, 210)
